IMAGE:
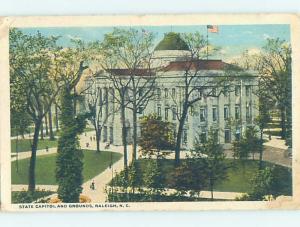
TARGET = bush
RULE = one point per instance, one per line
(28, 197)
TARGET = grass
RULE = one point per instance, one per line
(88, 129)
(238, 178)
(25, 144)
(94, 163)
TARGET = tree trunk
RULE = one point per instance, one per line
(261, 149)
(211, 186)
(134, 136)
(56, 118)
(75, 101)
(179, 136)
(98, 137)
(124, 139)
(283, 123)
(46, 125)
(31, 175)
(51, 135)
(42, 129)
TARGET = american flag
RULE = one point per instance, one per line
(212, 28)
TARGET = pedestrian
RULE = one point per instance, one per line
(91, 139)
(47, 148)
(94, 138)
(92, 185)
(87, 144)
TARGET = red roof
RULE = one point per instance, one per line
(135, 72)
(195, 65)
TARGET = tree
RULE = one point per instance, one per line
(99, 112)
(274, 66)
(262, 184)
(248, 144)
(69, 166)
(128, 61)
(30, 63)
(214, 162)
(155, 141)
(191, 174)
(193, 87)
(262, 121)
(156, 137)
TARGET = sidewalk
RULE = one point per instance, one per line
(99, 195)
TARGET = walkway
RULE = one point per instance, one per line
(99, 195)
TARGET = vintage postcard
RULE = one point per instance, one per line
(153, 112)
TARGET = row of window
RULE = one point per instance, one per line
(203, 113)
(203, 136)
(213, 92)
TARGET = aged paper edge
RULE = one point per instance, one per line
(155, 20)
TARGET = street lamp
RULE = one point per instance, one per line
(112, 175)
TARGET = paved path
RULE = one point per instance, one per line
(27, 154)
(99, 195)
(24, 187)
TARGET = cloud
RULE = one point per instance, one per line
(266, 36)
(254, 51)
(73, 37)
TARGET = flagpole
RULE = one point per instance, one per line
(206, 42)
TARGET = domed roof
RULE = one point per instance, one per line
(172, 41)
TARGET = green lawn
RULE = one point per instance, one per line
(94, 164)
(238, 178)
(24, 144)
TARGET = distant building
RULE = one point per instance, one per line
(232, 109)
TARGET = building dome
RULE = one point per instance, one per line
(172, 41)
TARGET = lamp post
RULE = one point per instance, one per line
(112, 175)
(17, 154)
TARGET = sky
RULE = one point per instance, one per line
(232, 39)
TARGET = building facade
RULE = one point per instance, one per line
(226, 107)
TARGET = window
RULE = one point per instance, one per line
(200, 92)
(166, 93)
(202, 115)
(111, 135)
(248, 90)
(173, 93)
(158, 92)
(184, 136)
(248, 111)
(227, 136)
(203, 137)
(226, 90)
(100, 96)
(141, 92)
(237, 112)
(238, 134)
(105, 134)
(174, 113)
(214, 92)
(237, 90)
(141, 110)
(214, 114)
(226, 112)
(166, 113)
(159, 111)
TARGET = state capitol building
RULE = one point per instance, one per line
(229, 109)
